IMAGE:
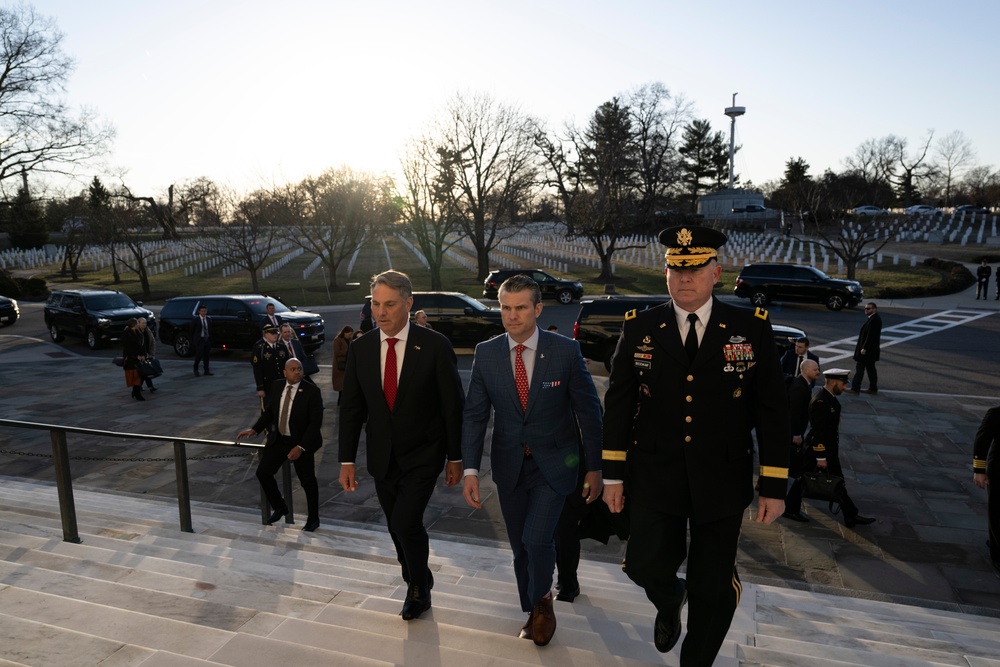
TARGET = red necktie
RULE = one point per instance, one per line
(521, 377)
(389, 380)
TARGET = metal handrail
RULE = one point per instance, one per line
(64, 482)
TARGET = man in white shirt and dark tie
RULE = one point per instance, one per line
(296, 408)
(791, 361)
(201, 338)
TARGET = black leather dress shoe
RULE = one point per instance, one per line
(858, 520)
(418, 600)
(796, 516)
(667, 627)
(567, 593)
(275, 515)
(311, 525)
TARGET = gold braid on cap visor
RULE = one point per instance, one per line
(689, 256)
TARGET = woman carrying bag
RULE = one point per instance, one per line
(340, 345)
(149, 347)
(133, 352)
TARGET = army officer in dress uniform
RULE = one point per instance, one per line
(268, 362)
(689, 380)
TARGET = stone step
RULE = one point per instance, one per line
(239, 593)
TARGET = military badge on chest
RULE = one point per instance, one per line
(738, 355)
(644, 357)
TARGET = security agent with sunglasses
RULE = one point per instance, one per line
(689, 381)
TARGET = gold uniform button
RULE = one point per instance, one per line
(687, 438)
(741, 376)
(688, 419)
(690, 378)
(689, 398)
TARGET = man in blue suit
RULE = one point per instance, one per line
(542, 396)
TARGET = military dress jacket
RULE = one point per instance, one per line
(679, 432)
(824, 424)
(268, 363)
(986, 446)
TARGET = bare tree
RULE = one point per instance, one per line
(428, 205)
(955, 154)
(492, 154)
(189, 203)
(861, 239)
(38, 131)
(251, 235)
(332, 214)
(890, 159)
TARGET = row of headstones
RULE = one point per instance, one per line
(233, 269)
(282, 262)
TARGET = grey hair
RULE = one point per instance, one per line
(396, 280)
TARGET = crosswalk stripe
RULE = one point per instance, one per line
(901, 333)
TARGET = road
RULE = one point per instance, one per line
(947, 354)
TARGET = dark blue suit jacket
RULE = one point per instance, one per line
(562, 394)
(196, 328)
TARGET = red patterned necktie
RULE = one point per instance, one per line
(521, 377)
(389, 380)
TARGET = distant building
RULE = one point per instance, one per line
(721, 204)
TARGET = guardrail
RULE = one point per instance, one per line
(64, 482)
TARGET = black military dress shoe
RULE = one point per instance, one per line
(858, 520)
(796, 516)
(311, 525)
(568, 593)
(418, 600)
(276, 514)
(667, 627)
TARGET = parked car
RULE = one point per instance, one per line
(763, 283)
(460, 318)
(8, 311)
(599, 324)
(95, 315)
(235, 322)
(565, 291)
(922, 209)
(971, 208)
(869, 211)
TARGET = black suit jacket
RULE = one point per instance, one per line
(799, 395)
(264, 321)
(196, 328)
(869, 340)
(790, 360)
(425, 426)
(304, 421)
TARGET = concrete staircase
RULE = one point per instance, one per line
(139, 592)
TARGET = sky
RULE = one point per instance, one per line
(251, 93)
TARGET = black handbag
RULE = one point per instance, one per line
(821, 485)
(146, 369)
(157, 367)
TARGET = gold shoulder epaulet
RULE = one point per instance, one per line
(630, 315)
(761, 313)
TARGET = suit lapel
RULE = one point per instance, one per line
(543, 356)
(411, 359)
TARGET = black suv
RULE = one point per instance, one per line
(565, 291)
(96, 315)
(599, 324)
(763, 283)
(460, 318)
(9, 311)
(236, 322)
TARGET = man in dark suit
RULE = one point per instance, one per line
(799, 396)
(293, 348)
(690, 379)
(201, 338)
(403, 381)
(867, 351)
(791, 361)
(296, 410)
(542, 396)
(985, 457)
(271, 319)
